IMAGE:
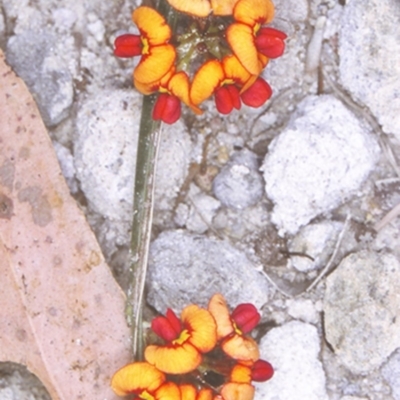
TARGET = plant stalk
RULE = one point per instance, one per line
(148, 145)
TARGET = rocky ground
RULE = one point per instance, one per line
(285, 206)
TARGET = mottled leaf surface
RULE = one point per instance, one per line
(61, 312)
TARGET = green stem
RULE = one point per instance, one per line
(149, 137)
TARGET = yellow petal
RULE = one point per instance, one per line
(136, 376)
(234, 70)
(173, 360)
(252, 12)
(153, 66)
(237, 391)
(204, 394)
(241, 374)
(168, 391)
(149, 88)
(152, 25)
(241, 348)
(223, 7)
(179, 86)
(241, 40)
(207, 78)
(198, 8)
(188, 392)
(202, 327)
(219, 310)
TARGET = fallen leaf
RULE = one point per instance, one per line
(61, 312)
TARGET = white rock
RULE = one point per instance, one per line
(239, 184)
(369, 50)
(303, 309)
(32, 56)
(66, 161)
(105, 154)
(201, 210)
(353, 398)
(315, 240)
(317, 162)
(186, 268)
(362, 310)
(391, 372)
(293, 350)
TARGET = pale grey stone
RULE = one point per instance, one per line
(186, 268)
(362, 310)
(293, 350)
(239, 184)
(369, 50)
(391, 372)
(32, 57)
(314, 240)
(320, 160)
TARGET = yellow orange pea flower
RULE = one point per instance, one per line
(145, 381)
(230, 83)
(189, 392)
(202, 8)
(186, 340)
(158, 56)
(231, 328)
(174, 89)
(249, 40)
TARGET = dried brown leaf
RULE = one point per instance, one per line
(61, 312)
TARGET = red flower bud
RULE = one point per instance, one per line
(261, 371)
(168, 327)
(257, 94)
(167, 108)
(128, 45)
(246, 317)
(270, 42)
(227, 97)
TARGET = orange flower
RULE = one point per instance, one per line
(174, 89)
(231, 329)
(189, 392)
(230, 83)
(250, 42)
(158, 56)
(138, 378)
(186, 340)
(202, 8)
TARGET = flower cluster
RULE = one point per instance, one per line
(207, 354)
(219, 48)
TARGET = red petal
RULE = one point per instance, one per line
(167, 108)
(270, 42)
(128, 45)
(226, 98)
(246, 317)
(174, 321)
(261, 371)
(257, 94)
(161, 326)
(169, 327)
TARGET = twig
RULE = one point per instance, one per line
(391, 215)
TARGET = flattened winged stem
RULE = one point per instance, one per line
(143, 203)
(148, 144)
